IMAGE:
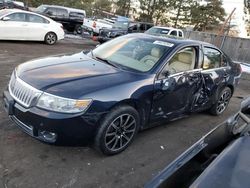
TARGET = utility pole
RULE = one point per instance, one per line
(221, 32)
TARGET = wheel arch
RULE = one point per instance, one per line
(137, 105)
(231, 87)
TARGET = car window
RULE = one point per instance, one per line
(133, 27)
(17, 17)
(155, 30)
(182, 61)
(62, 12)
(41, 8)
(173, 33)
(180, 34)
(224, 62)
(36, 19)
(51, 11)
(212, 58)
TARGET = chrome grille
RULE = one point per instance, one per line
(22, 92)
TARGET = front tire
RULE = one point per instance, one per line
(117, 130)
(222, 102)
(50, 38)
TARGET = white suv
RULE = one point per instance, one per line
(165, 31)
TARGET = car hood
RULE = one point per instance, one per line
(71, 75)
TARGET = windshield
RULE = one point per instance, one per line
(132, 52)
(157, 31)
(41, 8)
(4, 12)
(121, 25)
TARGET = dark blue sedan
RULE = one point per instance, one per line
(125, 85)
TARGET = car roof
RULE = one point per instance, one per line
(68, 8)
(174, 40)
(9, 11)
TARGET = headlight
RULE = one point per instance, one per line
(111, 34)
(64, 105)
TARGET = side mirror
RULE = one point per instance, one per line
(6, 18)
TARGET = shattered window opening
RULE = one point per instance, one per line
(212, 59)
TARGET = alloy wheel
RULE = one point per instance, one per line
(120, 132)
(51, 38)
(223, 102)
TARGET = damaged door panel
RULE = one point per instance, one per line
(173, 94)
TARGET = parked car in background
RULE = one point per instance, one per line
(93, 26)
(128, 84)
(12, 4)
(219, 159)
(165, 31)
(18, 24)
(70, 18)
(122, 28)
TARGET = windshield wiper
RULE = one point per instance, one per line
(106, 61)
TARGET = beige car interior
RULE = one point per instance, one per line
(151, 59)
(182, 61)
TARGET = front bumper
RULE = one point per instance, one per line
(49, 126)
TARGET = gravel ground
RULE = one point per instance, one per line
(28, 163)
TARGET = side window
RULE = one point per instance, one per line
(182, 61)
(36, 19)
(51, 12)
(62, 12)
(17, 17)
(224, 62)
(134, 27)
(173, 33)
(212, 58)
(180, 34)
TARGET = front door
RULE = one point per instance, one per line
(15, 28)
(173, 93)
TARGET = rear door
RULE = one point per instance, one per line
(37, 27)
(15, 28)
(216, 72)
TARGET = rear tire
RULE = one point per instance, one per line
(222, 102)
(78, 29)
(50, 38)
(117, 130)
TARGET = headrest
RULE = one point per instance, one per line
(185, 58)
(156, 52)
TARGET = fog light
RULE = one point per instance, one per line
(47, 136)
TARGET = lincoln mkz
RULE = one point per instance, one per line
(121, 87)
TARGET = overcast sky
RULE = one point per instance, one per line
(229, 5)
